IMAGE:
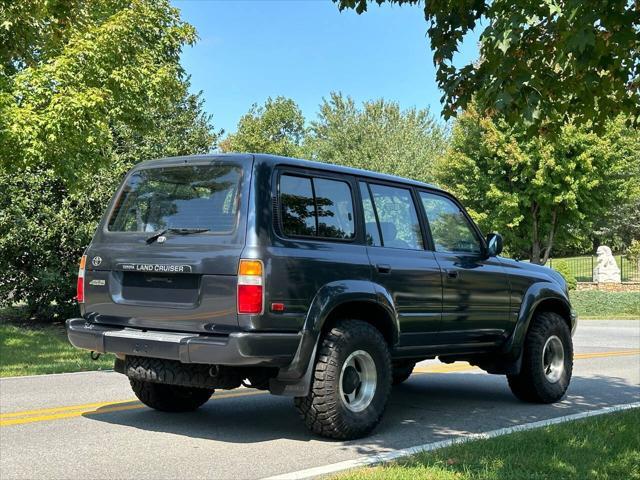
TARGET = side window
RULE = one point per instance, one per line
(335, 209)
(372, 235)
(450, 228)
(316, 207)
(398, 218)
(298, 210)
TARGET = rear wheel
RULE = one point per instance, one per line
(351, 382)
(170, 398)
(547, 361)
(402, 371)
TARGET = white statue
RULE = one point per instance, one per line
(606, 270)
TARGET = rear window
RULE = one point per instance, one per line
(198, 197)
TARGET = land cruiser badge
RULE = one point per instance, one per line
(154, 268)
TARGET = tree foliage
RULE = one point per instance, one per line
(277, 127)
(545, 63)
(620, 226)
(88, 89)
(66, 94)
(537, 192)
(378, 136)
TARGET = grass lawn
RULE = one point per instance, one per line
(602, 447)
(596, 304)
(43, 349)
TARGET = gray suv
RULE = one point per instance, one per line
(310, 280)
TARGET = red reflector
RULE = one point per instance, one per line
(277, 307)
(80, 289)
(249, 298)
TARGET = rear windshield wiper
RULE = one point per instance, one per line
(179, 231)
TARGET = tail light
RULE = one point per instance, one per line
(250, 287)
(80, 284)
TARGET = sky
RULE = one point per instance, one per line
(304, 49)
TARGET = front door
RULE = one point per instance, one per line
(401, 264)
(475, 293)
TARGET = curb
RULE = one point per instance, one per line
(396, 454)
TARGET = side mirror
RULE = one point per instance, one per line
(494, 244)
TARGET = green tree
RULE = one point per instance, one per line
(547, 63)
(621, 223)
(537, 192)
(378, 136)
(276, 128)
(88, 89)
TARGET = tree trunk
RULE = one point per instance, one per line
(552, 231)
(535, 237)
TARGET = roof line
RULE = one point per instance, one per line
(298, 162)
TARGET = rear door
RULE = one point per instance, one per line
(184, 279)
(476, 294)
(401, 264)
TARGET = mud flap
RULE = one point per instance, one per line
(295, 387)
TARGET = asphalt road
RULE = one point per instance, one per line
(88, 425)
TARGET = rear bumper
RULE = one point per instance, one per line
(237, 349)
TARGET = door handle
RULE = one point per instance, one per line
(452, 274)
(383, 268)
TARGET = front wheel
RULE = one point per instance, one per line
(547, 361)
(351, 382)
(170, 398)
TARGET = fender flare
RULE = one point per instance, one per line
(334, 294)
(295, 379)
(534, 296)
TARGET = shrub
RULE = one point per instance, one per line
(633, 252)
(562, 267)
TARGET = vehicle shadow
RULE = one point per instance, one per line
(427, 408)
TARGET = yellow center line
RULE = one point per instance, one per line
(447, 368)
(85, 406)
(615, 353)
(59, 416)
(58, 413)
(90, 409)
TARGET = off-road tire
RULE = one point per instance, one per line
(402, 371)
(322, 410)
(170, 398)
(531, 384)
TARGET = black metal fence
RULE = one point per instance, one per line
(582, 267)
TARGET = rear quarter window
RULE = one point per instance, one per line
(189, 196)
(316, 207)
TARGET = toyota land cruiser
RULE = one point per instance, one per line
(309, 280)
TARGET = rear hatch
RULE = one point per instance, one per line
(166, 253)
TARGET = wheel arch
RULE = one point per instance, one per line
(554, 305)
(367, 311)
(540, 297)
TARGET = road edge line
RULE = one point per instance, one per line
(426, 447)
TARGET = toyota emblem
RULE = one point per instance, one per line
(96, 261)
